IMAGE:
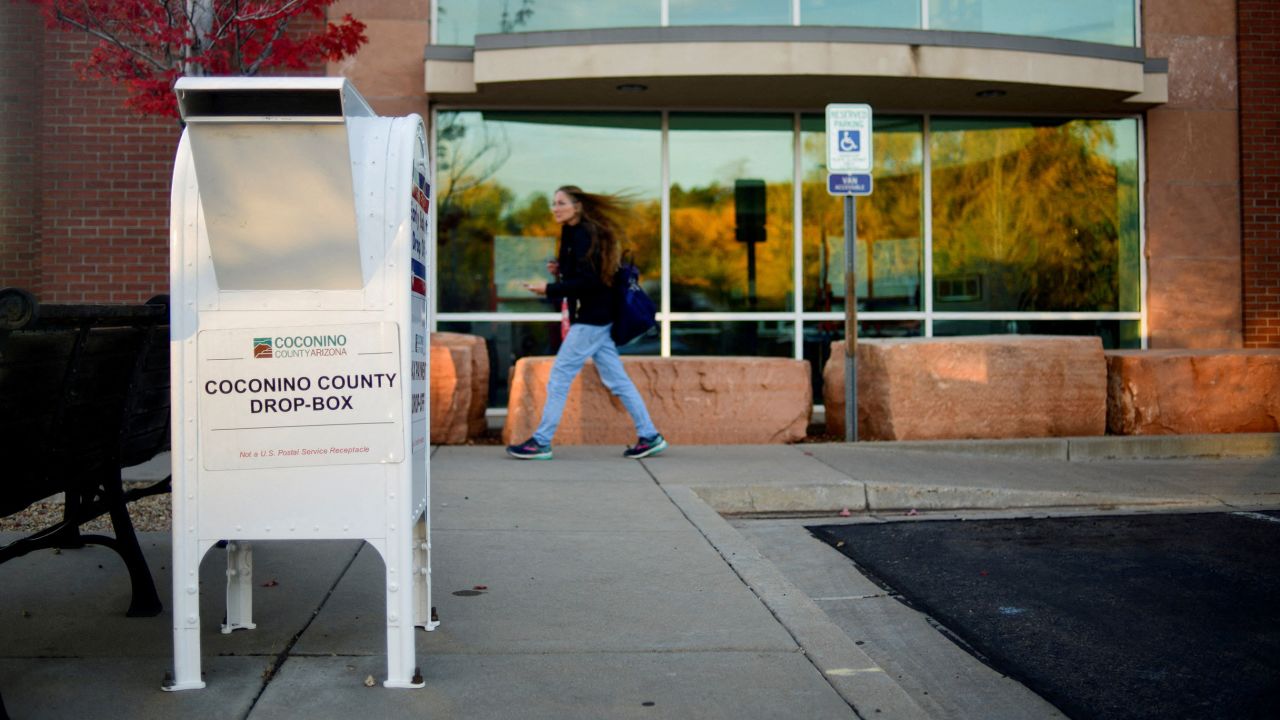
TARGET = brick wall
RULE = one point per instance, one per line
(105, 187)
(1259, 48)
(20, 33)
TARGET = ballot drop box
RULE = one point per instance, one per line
(299, 343)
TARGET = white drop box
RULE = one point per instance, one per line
(299, 301)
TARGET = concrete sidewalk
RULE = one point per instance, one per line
(586, 587)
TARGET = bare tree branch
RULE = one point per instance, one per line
(110, 38)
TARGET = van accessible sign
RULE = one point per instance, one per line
(300, 396)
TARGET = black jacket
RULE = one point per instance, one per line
(591, 302)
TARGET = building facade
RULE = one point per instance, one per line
(1104, 167)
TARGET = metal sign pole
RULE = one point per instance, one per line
(850, 162)
(850, 319)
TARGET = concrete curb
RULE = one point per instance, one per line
(868, 689)
(884, 497)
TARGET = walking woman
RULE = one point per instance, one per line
(589, 256)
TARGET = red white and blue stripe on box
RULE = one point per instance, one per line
(419, 278)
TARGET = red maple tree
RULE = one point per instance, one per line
(146, 45)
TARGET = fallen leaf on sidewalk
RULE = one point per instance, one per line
(369, 681)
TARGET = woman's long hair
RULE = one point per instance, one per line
(603, 216)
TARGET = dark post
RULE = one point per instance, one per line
(749, 215)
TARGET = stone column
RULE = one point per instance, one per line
(1193, 178)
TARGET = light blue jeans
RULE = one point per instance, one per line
(593, 342)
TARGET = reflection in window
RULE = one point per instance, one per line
(461, 20)
(456, 22)
(765, 338)
(1101, 21)
(1032, 215)
(506, 343)
(1115, 334)
(728, 252)
(496, 173)
(861, 13)
(729, 12)
(889, 261)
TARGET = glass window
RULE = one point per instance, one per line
(764, 338)
(1100, 21)
(506, 343)
(861, 13)
(1115, 334)
(731, 212)
(496, 172)
(456, 22)
(461, 20)
(1035, 215)
(890, 249)
(729, 12)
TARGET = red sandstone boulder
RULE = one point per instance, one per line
(450, 394)
(1175, 392)
(692, 400)
(478, 392)
(993, 386)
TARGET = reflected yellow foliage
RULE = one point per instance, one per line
(1032, 217)
(709, 266)
(889, 217)
(1026, 215)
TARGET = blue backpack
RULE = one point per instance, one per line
(635, 312)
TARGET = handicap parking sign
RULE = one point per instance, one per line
(849, 138)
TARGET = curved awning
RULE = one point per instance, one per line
(795, 67)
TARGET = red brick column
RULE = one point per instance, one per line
(20, 41)
(1259, 68)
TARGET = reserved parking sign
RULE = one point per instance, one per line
(849, 138)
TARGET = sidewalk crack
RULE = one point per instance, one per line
(281, 657)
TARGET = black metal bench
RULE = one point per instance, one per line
(84, 392)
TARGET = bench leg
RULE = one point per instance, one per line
(146, 601)
(239, 588)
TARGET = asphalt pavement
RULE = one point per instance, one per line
(592, 586)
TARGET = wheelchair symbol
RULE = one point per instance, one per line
(850, 141)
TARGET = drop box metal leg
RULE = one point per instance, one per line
(402, 585)
(186, 618)
(239, 588)
(422, 576)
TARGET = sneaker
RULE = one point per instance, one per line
(645, 447)
(530, 450)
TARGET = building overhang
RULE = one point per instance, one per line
(795, 67)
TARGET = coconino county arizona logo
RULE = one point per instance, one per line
(293, 346)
